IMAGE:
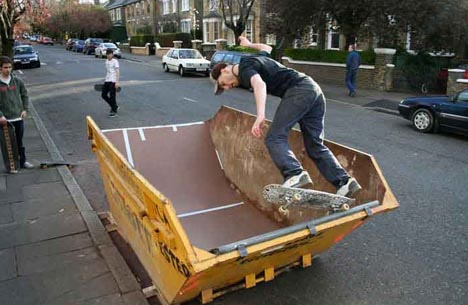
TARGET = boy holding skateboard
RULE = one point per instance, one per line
(302, 102)
(111, 83)
(14, 104)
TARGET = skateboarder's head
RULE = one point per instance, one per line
(109, 53)
(223, 78)
(5, 66)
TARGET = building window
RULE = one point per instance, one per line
(119, 14)
(313, 38)
(165, 7)
(215, 30)
(333, 40)
(149, 9)
(137, 9)
(271, 39)
(206, 32)
(185, 5)
(248, 30)
(185, 25)
(174, 6)
(213, 5)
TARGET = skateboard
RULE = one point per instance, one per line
(48, 164)
(98, 87)
(307, 198)
(9, 148)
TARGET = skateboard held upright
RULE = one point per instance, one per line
(9, 148)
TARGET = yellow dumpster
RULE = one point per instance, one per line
(188, 199)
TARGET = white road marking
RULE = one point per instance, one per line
(142, 134)
(190, 100)
(20, 72)
(128, 148)
(210, 210)
(174, 128)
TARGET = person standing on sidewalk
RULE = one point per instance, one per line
(14, 104)
(111, 83)
(353, 61)
(302, 102)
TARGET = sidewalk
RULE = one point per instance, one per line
(370, 98)
(53, 247)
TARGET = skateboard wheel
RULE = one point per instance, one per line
(297, 197)
(345, 207)
(283, 210)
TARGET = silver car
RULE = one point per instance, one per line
(101, 49)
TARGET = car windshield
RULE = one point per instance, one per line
(110, 45)
(80, 42)
(190, 54)
(24, 50)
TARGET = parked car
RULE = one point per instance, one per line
(69, 43)
(185, 61)
(431, 113)
(91, 44)
(229, 57)
(78, 46)
(25, 55)
(101, 49)
(47, 41)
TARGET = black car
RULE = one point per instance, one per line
(91, 44)
(25, 55)
(229, 57)
(431, 113)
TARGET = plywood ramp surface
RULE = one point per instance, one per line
(182, 163)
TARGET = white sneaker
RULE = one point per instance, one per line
(299, 180)
(349, 189)
(27, 165)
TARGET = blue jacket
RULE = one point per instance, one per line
(353, 61)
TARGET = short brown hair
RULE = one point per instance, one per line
(4, 60)
(217, 70)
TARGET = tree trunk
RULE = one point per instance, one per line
(7, 46)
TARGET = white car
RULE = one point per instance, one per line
(101, 49)
(185, 61)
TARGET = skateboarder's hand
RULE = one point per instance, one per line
(243, 41)
(3, 121)
(24, 114)
(257, 127)
(117, 85)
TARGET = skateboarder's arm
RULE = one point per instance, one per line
(258, 46)
(260, 95)
(24, 96)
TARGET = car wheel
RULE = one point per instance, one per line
(95, 55)
(38, 64)
(165, 67)
(207, 74)
(423, 120)
(181, 71)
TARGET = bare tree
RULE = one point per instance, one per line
(235, 15)
(11, 11)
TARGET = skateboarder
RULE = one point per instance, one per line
(14, 103)
(111, 83)
(302, 102)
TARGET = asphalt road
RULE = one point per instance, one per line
(417, 254)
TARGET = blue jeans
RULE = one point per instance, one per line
(350, 80)
(303, 104)
(19, 132)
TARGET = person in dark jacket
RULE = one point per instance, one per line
(353, 61)
(14, 104)
(302, 102)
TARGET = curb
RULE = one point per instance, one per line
(124, 278)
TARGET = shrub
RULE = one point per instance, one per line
(166, 39)
(420, 69)
(141, 40)
(331, 56)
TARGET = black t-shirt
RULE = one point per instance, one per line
(277, 77)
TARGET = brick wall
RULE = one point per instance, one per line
(332, 73)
